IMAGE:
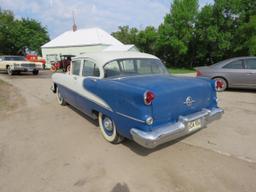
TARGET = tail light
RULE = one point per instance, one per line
(149, 96)
(198, 73)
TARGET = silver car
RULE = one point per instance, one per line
(239, 72)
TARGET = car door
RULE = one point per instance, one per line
(90, 72)
(235, 73)
(250, 67)
(72, 91)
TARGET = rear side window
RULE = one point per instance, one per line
(76, 67)
(250, 63)
(234, 65)
(90, 69)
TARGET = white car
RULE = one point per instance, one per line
(16, 64)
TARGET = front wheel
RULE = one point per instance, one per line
(9, 71)
(108, 129)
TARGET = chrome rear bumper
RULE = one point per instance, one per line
(172, 131)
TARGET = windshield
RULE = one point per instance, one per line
(14, 58)
(124, 67)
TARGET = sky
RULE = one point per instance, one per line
(56, 15)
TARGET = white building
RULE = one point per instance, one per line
(80, 42)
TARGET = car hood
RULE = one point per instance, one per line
(19, 62)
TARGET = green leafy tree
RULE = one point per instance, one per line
(126, 35)
(6, 21)
(176, 33)
(190, 36)
(16, 34)
(146, 40)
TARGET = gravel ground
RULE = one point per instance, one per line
(46, 147)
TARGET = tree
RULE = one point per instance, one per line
(176, 33)
(126, 35)
(6, 21)
(146, 40)
(190, 37)
(16, 34)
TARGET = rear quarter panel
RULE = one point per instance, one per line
(124, 100)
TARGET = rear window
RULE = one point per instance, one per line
(128, 67)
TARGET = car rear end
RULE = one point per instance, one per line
(180, 106)
(203, 71)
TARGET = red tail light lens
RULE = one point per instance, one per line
(149, 96)
(198, 73)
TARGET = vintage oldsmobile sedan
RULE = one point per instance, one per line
(133, 96)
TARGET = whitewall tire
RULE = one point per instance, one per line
(60, 98)
(9, 71)
(108, 129)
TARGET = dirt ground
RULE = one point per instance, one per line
(47, 147)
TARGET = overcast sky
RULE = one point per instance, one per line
(56, 15)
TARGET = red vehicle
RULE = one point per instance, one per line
(63, 64)
(31, 56)
(35, 58)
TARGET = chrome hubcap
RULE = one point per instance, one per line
(108, 124)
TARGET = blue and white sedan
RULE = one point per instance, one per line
(133, 96)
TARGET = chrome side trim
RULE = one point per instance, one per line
(129, 117)
(172, 131)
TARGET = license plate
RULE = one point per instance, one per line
(194, 125)
(30, 69)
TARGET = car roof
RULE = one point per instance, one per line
(101, 58)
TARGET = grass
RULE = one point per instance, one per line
(180, 70)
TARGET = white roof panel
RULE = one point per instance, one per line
(103, 57)
(90, 36)
(119, 48)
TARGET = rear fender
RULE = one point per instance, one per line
(126, 102)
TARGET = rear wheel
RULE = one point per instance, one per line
(108, 129)
(60, 97)
(221, 84)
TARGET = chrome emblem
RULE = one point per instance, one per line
(189, 101)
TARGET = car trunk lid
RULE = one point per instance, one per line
(173, 95)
